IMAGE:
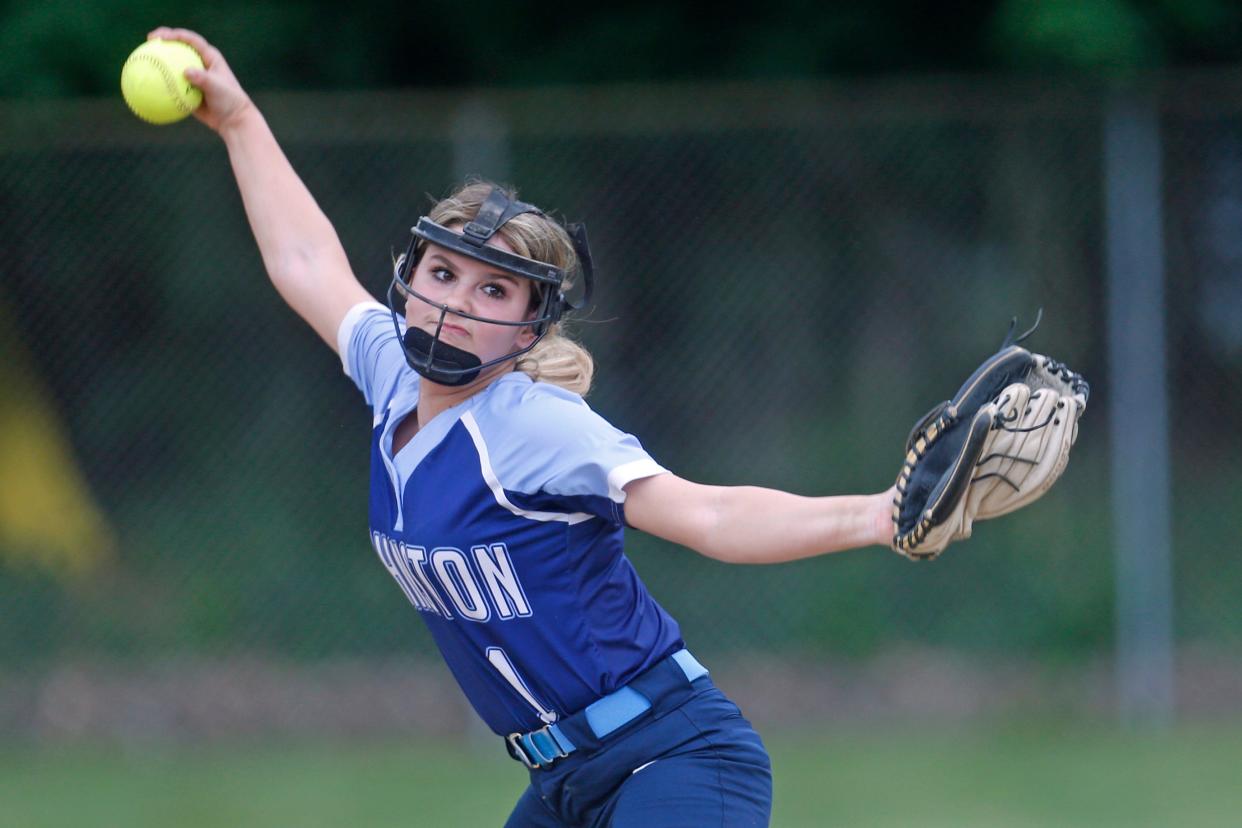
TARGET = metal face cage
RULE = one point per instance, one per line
(444, 363)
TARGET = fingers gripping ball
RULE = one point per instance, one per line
(153, 81)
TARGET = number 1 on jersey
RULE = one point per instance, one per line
(500, 660)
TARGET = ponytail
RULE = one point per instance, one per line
(559, 360)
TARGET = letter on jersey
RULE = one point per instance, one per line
(482, 586)
(458, 581)
(502, 582)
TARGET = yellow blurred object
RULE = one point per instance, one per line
(48, 517)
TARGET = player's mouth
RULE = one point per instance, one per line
(454, 330)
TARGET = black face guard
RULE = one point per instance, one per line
(443, 363)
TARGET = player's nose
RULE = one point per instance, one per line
(461, 297)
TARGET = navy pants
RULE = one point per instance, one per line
(697, 763)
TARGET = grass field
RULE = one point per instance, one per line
(1056, 774)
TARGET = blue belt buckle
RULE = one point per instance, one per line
(514, 741)
(540, 747)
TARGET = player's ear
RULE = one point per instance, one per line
(527, 333)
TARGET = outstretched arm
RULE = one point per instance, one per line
(300, 248)
(748, 524)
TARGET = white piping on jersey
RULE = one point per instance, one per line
(344, 338)
(628, 473)
(498, 491)
(390, 465)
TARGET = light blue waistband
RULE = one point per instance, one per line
(624, 705)
(543, 746)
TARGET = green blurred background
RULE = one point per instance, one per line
(809, 221)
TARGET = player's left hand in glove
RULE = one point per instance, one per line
(999, 444)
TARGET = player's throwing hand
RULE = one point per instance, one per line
(223, 97)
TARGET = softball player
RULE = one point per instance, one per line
(499, 498)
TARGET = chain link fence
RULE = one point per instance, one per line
(790, 275)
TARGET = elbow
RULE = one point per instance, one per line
(718, 544)
(301, 272)
(724, 553)
(290, 269)
(714, 538)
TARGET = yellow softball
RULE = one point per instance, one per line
(153, 81)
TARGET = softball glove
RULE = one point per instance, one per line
(999, 444)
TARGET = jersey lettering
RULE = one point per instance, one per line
(389, 553)
(458, 581)
(415, 557)
(481, 586)
(501, 581)
(426, 598)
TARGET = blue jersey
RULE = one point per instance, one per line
(502, 522)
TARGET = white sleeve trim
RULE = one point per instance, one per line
(498, 491)
(345, 332)
(627, 473)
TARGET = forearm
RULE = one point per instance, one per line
(295, 238)
(299, 246)
(755, 525)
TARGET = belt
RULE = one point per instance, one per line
(540, 748)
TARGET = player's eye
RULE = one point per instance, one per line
(440, 274)
(494, 290)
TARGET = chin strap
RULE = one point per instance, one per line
(439, 361)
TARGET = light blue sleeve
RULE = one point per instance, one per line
(548, 445)
(371, 352)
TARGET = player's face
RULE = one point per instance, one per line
(476, 288)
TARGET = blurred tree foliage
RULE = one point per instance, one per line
(75, 47)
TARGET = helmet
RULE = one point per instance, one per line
(443, 363)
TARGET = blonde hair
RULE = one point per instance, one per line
(556, 359)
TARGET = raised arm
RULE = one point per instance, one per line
(747, 524)
(300, 248)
